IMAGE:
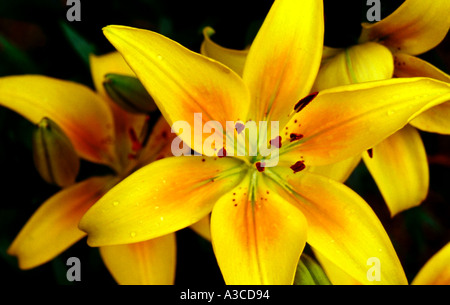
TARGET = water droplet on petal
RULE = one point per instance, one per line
(161, 218)
(159, 57)
(115, 203)
(390, 112)
(133, 234)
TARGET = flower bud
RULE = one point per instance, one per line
(129, 93)
(309, 272)
(53, 153)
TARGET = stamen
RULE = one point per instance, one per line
(136, 145)
(276, 142)
(222, 153)
(298, 166)
(295, 136)
(239, 127)
(259, 166)
(305, 101)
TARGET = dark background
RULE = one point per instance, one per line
(34, 40)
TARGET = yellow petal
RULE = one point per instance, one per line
(203, 227)
(328, 53)
(436, 119)
(123, 121)
(361, 63)
(339, 171)
(335, 274)
(415, 27)
(399, 166)
(54, 226)
(234, 59)
(437, 270)
(341, 226)
(82, 115)
(284, 58)
(182, 82)
(257, 236)
(346, 121)
(411, 66)
(150, 262)
(160, 198)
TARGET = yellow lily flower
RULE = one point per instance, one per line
(261, 216)
(101, 132)
(386, 48)
(436, 271)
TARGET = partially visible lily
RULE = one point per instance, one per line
(399, 164)
(261, 216)
(103, 133)
(436, 271)
(386, 49)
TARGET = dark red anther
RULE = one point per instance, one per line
(298, 166)
(222, 152)
(370, 153)
(239, 127)
(136, 145)
(276, 142)
(260, 167)
(295, 136)
(132, 157)
(304, 101)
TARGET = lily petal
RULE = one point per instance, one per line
(203, 227)
(329, 53)
(234, 59)
(399, 167)
(436, 271)
(336, 124)
(150, 262)
(159, 199)
(81, 113)
(436, 119)
(415, 27)
(411, 66)
(183, 83)
(339, 171)
(54, 226)
(360, 63)
(257, 236)
(284, 58)
(341, 226)
(336, 275)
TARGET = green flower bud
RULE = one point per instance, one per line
(129, 93)
(53, 153)
(309, 272)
